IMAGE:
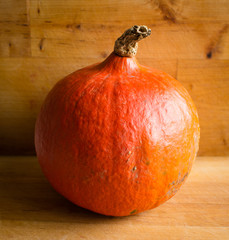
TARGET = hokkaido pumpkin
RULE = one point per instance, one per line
(117, 137)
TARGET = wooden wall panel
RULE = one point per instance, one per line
(43, 40)
(14, 29)
(208, 84)
(183, 41)
(116, 11)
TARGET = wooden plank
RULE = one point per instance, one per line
(203, 10)
(90, 28)
(92, 11)
(21, 95)
(183, 41)
(14, 11)
(14, 40)
(14, 29)
(24, 231)
(129, 11)
(208, 83)
(30, 208)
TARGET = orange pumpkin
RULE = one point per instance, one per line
(116, 137)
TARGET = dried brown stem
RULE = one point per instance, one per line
(126, 45)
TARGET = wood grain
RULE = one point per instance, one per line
(31, 209)
(41, 41)
(208, 83)
(14, 29)
(113, 11)
(182, 40)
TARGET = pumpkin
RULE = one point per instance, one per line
(118, 138)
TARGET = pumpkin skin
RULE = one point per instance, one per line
(116, 137)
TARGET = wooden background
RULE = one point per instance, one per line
(41, 41)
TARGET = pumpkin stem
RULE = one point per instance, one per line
(126, 45)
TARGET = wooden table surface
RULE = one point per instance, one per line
(31, 209)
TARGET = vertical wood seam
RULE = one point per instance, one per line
(28, 11)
